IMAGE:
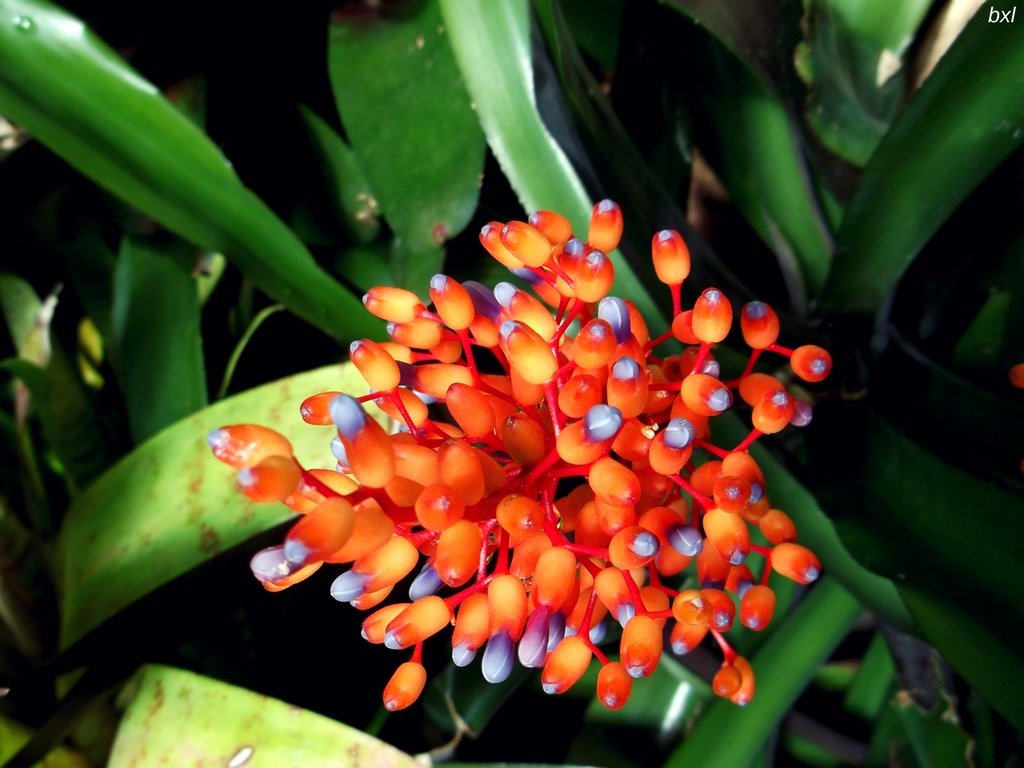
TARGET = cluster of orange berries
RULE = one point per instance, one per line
(556, 475)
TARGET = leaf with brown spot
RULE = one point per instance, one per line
(169, 505)
(224, 723)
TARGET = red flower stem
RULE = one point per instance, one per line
(677, 298)
(503, 550)
(541, 467)
(467, 350)
(727, 650)
(575, 308)
(666, 336)
(634, 593)
(754, 355)
(702, 353)
(712, 448)
(314, 483)
(748, 440)
(417, 653)
(780, 350)
(551, 395)
(699, 498)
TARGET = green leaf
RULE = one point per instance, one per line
(231, 726)
(853, 59)
(21, 307)
(82, 101)
(874, 682)
(668, 701)
(947, 538)
(753, 32)
(729, 736)
(412, 128)
(981, 342)
(346, 184)
(155, 347)
(935, 738)
(965, 120)
(492, 46)
(755, 149)
(169, 505)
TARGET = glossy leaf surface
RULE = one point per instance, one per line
(170, 505)
(231, 726)
(86, 104)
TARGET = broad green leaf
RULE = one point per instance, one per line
(412, 128)
(984, 658)
(981, 342)
(965, 120)
(81, 100)
(176, 717)
(728, 736)
(758, 154)
(348, 190)
(20, 307)
(852, 60)
(170, 505)
(492, 46)
(947, 538)
(155, 347)
(935, 738)
(874, 682)
(753, 32)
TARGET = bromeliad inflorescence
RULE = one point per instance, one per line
(564, 483)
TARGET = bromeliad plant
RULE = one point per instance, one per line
(552, 449)
(579, 480)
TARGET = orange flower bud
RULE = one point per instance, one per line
(272, 479)
(520, 515)
(565, 665)
(705, 394)
(554, 226)
(759, 324)
(671, 257)
(811, 363)
(417, 622)
(527, 352)
(757, 607)
(614, 483)
(322, 532)
(729, 535)
(795, 562)
(712, 316)
(452, 303)
(526, 243)
(370, 531)
(395, 305)
(605, 230)
(458, 552)
(471, 408)
(316, 409)
(439, 506)
(640, 646)
(614, 685)
(405, 686)
(777, 526)
(375, 363)
(245, 445)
